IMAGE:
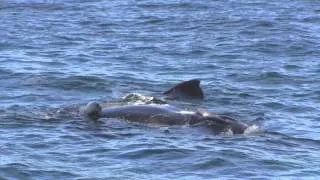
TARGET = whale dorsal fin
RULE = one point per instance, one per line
(186, 89)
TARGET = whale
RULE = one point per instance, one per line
(166, 115)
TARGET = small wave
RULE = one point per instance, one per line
(252, 129)
(15, 170)
(273, 105)
(40, 5)
(293, 139)
(68, 83)
(212, 163)
(162, 153)
(272, 75)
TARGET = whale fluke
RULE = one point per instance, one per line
(186, 89)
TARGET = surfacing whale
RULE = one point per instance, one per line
(166, 115)
(169, 115)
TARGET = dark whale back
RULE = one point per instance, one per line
(165, 115)
(156, 114)
(187, 89)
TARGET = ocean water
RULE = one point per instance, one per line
(258, 61)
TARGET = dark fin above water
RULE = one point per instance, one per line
(186, 89)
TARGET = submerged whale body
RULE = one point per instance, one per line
(166, 115)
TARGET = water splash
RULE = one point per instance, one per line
(253, 129)
(137, 99)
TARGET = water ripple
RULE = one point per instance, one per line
(258, 62)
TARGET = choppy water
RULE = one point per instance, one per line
(258, 61)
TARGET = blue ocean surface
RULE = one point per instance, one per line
(258, 61)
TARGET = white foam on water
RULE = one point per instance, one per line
(253, 129)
